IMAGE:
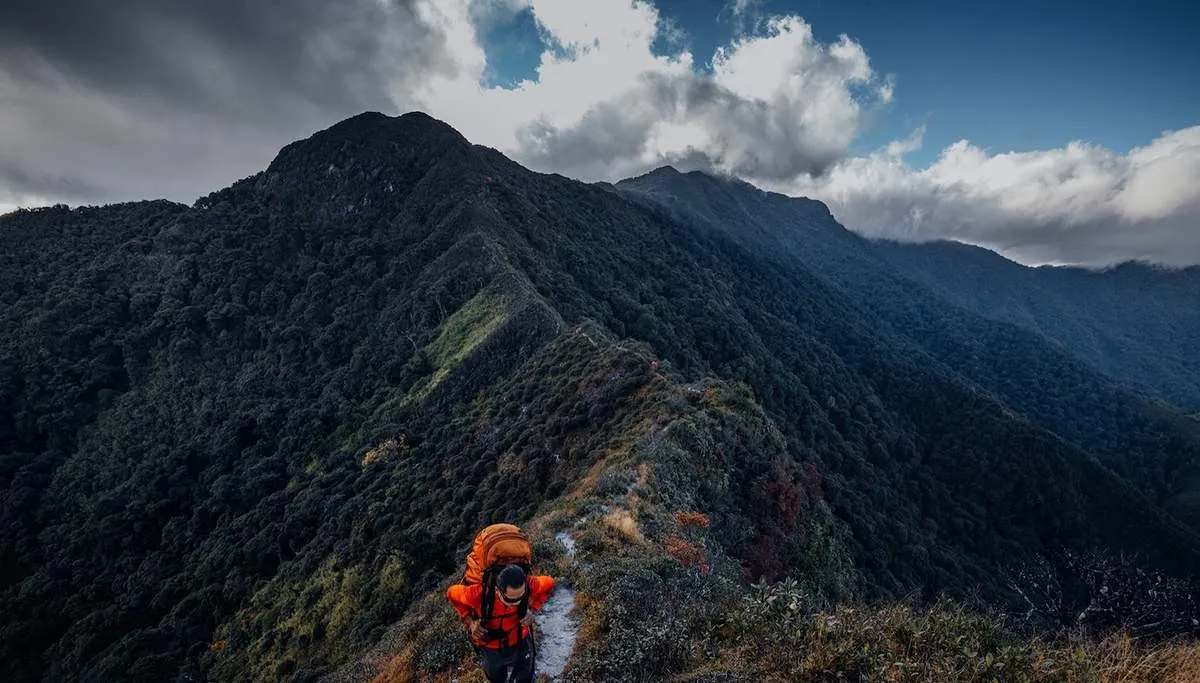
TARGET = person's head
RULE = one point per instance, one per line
(510, 584)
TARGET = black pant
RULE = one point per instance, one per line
(495, 663)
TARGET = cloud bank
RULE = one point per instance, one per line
(135, 98)
(1077, 204)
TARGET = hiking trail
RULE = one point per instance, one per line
(557, 628)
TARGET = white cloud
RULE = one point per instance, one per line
(898, 148)
(603, 106)
(595, 50)
(1079, 203)
(781, 109)
(746, 14)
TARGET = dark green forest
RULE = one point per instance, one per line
(1138, 322)
(243, 439)
(1150, 318)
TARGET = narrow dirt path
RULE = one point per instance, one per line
(557, 628)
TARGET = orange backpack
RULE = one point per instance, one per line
(495, 546)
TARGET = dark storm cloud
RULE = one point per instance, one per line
(21, 182)
(245, 57)
(179, 98)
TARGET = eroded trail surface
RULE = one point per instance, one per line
(557, 629)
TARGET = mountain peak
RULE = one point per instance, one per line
(371, 132)
(375, 122)
(704, 188)
(667, 171)
(414, 122)
(371, 147)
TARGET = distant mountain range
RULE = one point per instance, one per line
(241, 439)
(1131, 331)
(1138, 323)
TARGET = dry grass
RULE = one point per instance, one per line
(400, 669)
(643, 474)
(587, 484)
(1118, 659)
(688, 554)
(388, 449)
(396, 669)
(944, 643)
(623, 523)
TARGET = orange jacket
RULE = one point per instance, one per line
(466, 601)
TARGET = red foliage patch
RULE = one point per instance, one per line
(812, 481)
(762, 562)
(688, 554)
(692, 519)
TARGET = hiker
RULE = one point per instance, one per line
(497, 599)
(504, 639)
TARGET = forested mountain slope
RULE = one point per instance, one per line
(1153, 445)
(242, 439)
(1138, 322)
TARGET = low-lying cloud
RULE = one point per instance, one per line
(1077, 204)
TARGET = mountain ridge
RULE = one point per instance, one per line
(788, 232)
(1135, 322)
(289, 405)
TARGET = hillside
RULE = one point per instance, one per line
(1138, 323)
(249, 439)
(1154, 446)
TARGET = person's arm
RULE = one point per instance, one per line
(540, 588)
(466, 601)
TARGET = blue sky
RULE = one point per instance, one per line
(1008, 76)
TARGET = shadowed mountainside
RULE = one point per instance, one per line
(246, 439)
(1153, 445)
(1138, 323)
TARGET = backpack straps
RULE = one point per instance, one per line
(487, 597)
(522, 610)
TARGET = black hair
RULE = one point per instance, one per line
(511, 576)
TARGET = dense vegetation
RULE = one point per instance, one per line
(1154, 446)
(1138, 322)
(240, 440)
(662, 598)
